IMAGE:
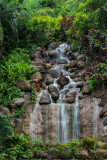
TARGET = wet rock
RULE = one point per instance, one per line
(103, 100)
(48, 65)
(73, 75)
(66, 49)
(62, 81)
(70, 94)
(17, 103)
(37, 62)
(34, 55)
(86, 89)
(52, 53)
(99, 92)
(81, 64)
(41, 69)
(4, 111)
(103, 111)
(54, 92)
(69, 100)
(55, 73)
(36, 77)
(77, 85)
(65, 91)
(105, 122)
(73, 63)
(76, 79)
(45, 98)
(65, 73)
(81, 96)
(62, 61)
(23, 84)
(49, 80)
(53, 45)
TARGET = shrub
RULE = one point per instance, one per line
(89, 144)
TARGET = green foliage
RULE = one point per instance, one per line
(5, 129)
(99, 77)
(33, 95)
(89, 144)
(13, 67)
(7, 94)
(44, 28)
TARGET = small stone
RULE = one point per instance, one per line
(48, 65)
(81, 64)
(86, 89)
(4, 111)
(70, 94)
(53, 45)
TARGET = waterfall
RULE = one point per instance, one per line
(58, 120)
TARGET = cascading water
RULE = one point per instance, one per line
(64, 117)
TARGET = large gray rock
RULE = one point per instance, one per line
(54, 92)
(62, 61)
(23, 85)
(49, 80)
(99, 92)
(53, 46)
(45, 98)
(71, 94)
(55, 73)
(104, 100)
(62, 81)
(103, 111)
(52, 53)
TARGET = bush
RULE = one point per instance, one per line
(89, 144)
(13, 67)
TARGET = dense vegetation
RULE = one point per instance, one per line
(24, 25)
